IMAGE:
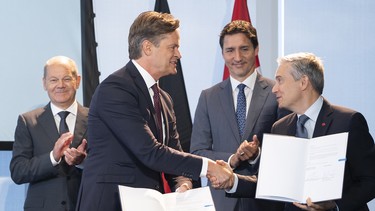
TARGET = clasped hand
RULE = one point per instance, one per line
(73, 156)
(220, 175)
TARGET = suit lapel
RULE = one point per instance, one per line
(80, 128)
(48, 123)
(226, 101)
(258, 100)
(141, 85)
(324, 120)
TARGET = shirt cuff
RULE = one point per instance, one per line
(252, 162)
(204, 167)
(229, 161)
(235, 184)
(54, 163)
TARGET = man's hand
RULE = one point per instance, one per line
(183, 188)
(75, 156)
(61, 145)
(246, 151)
(224, 179)
(320, 206)
(183, 184)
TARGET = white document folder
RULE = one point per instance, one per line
(293, 169)
(197, 199)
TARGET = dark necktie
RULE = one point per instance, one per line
(241, 108)
(63, 128)
(301, 130)
(157, 107)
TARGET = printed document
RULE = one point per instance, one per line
(197, 199)
(293, 169)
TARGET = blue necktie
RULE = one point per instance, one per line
(301, 131)
(241, 108)
(63, 128)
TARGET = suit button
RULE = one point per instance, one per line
(157, 187)
(63, 202)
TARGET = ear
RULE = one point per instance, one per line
(147, 47)
(305, 81)
(44, 83)
(256, 50)
(78, 81)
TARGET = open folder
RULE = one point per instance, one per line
(197, 199)
(292, 169)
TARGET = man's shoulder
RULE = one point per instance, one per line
(82, 109)
(218, 87)
(284, 121)
(265, 81)
(36, 111)
(338, 111)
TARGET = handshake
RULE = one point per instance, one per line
(220, 174)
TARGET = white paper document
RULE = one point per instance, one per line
(197, 199)
(293, 169)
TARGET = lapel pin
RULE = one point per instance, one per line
(323, 124)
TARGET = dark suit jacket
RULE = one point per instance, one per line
(216, 136)
(122, 148)
(359, 176)
(51, 187)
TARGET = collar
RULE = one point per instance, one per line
(249, 81)
(149, 80)
(72, 109)
(313, 111)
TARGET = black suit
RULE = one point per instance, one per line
(122, 147)
(359, 176)
(51, 187)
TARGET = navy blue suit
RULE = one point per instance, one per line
(122, 148)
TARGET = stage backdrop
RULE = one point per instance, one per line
(341, 32)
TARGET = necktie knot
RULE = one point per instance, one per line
(63, 114)
(155, 89)
(301, 130)
(241, 87)
(303, 119)
(63, 128)
(241, 108)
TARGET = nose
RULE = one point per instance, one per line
(178, 54)
(237, 55)
(61, 83)
(274, 88)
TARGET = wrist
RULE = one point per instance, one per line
(234, 161)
